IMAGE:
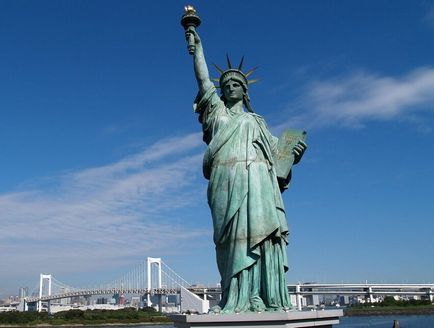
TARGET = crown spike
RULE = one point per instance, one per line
(252, 81)
(229, 61)
(221, 71)
(240, 67)
(250, 71)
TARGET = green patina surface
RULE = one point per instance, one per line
(244, 195)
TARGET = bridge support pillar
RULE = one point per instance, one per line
(298, 297)
(157, 262)
(430, 295)
(160, 303)
(42, 278)
(369, 297)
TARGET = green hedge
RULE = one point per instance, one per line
(127, 315)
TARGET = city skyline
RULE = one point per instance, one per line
(102, 152)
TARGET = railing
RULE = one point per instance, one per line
(298, 289)
(91, 292)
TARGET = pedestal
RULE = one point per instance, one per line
(292, 319)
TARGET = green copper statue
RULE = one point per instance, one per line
(244, 192)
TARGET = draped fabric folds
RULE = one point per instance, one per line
(250, 228)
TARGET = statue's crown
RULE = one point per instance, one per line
(234, 73)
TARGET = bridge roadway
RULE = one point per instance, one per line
(304, 289)
(97, 291)
(362, 289)
(344, 289)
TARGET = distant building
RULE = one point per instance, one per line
(173, 299)
(23, 292)
(135, 301)
(344, 300)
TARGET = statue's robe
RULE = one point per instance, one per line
(250, 228)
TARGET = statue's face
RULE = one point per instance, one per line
(233, 91)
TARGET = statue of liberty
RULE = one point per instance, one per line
(244, 192)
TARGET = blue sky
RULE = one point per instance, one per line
(101, 152)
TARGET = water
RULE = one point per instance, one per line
(407, 321)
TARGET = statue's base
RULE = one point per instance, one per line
(291, 319)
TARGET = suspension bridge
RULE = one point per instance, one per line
(155, 277)
(150, 277)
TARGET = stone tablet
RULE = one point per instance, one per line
(285, 156)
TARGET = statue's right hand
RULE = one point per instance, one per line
(191, 31)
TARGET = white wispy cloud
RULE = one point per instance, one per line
(429, 15)
(355, 99)
(91, 218)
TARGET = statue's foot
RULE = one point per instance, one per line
(275, 308)
(272, 309)
(257, 304)
(215, 310)
(223, 311)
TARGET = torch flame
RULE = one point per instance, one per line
(189, 9)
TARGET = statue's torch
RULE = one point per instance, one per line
(190, 19)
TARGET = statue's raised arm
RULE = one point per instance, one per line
(200, 67)
(248, 214)
(190, 21)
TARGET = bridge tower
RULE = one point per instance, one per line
(44, 277)
(156, 262)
